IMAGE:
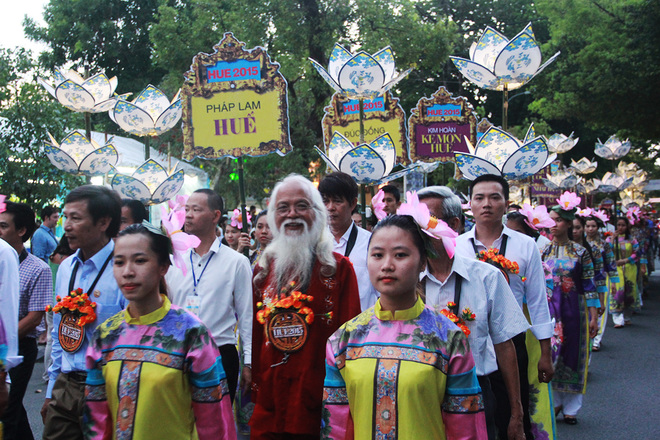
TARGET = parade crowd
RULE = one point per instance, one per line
(422, 323)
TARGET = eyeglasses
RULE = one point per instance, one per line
(299, 208)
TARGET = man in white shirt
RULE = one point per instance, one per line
(339, 192)
(9, 293)
(217, 286)
(489, 196)
(481, 288)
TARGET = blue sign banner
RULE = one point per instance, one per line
(443, 110)
(352, 107)
(233, 71)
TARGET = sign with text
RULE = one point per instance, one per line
(539, 189)
(381, 115)
(439, 125)
(234, 104)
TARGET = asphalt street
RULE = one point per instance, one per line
(622, 400)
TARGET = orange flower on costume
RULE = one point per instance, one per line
(76, 303)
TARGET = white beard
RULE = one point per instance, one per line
(294, 254)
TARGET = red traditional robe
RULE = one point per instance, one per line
(288, 397)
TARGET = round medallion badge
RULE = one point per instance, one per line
(70, 334)
(287, 331)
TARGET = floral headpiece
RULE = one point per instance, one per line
(3, 205)
(237, 219)
(634, 214)
(537, 218)
(584, 213)
(567, 207)
(172, 226)
(432, 226)
(378, 205)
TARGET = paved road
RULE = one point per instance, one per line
(622, 393)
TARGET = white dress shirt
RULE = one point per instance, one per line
(358, 257)
(9, 294)
(224, 286)
(485, 291)
(523, 250)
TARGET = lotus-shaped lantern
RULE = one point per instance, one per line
(584, 166)
(560, 143)
(562, 179)
(93, 95)
(80, 156)
(366, 163)
(629, 197)
(613, 182)
(613, 148)
(151, 113)
(360, 75)
(498, 152)
(150, 183)
(497, 64)
(587, 186)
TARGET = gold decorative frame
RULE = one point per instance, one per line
(334, 118)
(418, 117)
(195, 84)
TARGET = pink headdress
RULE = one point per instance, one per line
(378, 205)
(429, 224)
(568, 201)
(600, 215)
(537, 218)
(173, 224)
(237, 219)
(584, 213)
(3, 205)
(634, 214)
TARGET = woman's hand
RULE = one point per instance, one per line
(243, 242)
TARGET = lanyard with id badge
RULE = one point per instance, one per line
(193, 301)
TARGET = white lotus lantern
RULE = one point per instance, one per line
(560, 143)
(499, 64)
(150, 183)
(80, 156)
(92, 95)
(587, 187)
(149, 114)
(367, 163)
(613, 148)
(562, 179)
(584, 166)
(498, 152)
(612, 183)
(360, 75)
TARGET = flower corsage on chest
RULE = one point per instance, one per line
(286, 317)
(77, 311)
(493, 257)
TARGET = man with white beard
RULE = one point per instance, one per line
(304, 292)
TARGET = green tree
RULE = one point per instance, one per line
(606, 75)
(26, 115)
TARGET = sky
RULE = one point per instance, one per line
(11, 23)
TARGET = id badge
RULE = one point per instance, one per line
(192, 304)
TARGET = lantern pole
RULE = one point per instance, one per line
(363, 194)
(241, 191)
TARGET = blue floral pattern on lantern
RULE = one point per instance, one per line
(77, 155)
(150, 183)
(498, 152)
(613, 148)
(360, 75)
(366, 163)
(149, 114)
(496, 62)
(93, 95)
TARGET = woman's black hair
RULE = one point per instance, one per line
(585, 242)
(628, 225)
(63, 248)
(261, 214)
(407, 223)
(160, 245)
(519, 218)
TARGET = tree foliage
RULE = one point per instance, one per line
(26, 115)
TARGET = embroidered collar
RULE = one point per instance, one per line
(399, 315)
(152, 317)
